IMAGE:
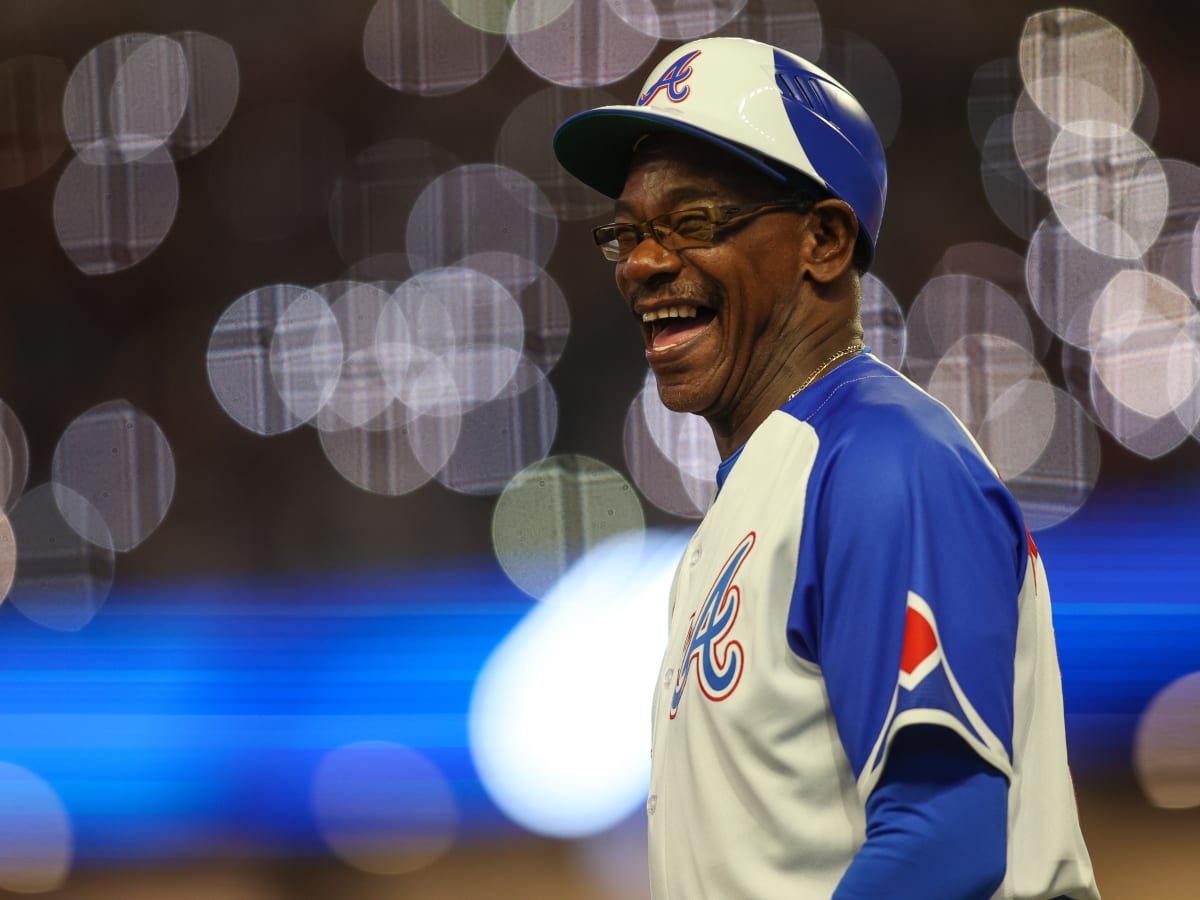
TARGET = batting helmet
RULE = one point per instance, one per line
(776, 110)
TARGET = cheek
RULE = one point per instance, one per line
(624, 283)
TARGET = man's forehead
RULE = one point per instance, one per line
(686, 168)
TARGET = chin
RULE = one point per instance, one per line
(681, 398)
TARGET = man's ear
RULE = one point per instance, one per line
(829, 241)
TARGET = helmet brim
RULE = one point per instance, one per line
(597, 146)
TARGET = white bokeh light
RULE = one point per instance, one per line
(1166, 746)
(118, 458)
(883, 325)
(362, 391)
(1033, 134)
(1108, 188)
(14, 457)
(420, 47)
(976, 371)
(676, 20)
(62, 580)
(1004, 268)
(111, 217)
(558, 735)
(466, 320)
(1059, 482)
(487, 321)
(949, 307)
(511, 16)
(1018, 426)
(795, 26)
(685, 439)
(504, 435)
(214, 83)
(125, 97)
(554, 512)
(148, 96)
(38, 846)
(541, 301)
(306, 354)
(478, 208)
(1143, 333)
(1065, 280)
(8, 556)
(384, 808)
(1012, 195)
(657, 477)
(589, 45)
(1172, 254)
(396, 453)
(1148, 436)
(1070, 56)
(274, 358)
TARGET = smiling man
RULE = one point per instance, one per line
(860, 694)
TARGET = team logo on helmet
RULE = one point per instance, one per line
(672, 81)
(717, 660)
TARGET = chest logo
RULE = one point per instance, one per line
(717, 660)
(672, 81)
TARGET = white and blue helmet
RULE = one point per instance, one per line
(776, 110)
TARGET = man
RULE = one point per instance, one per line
(860, 697)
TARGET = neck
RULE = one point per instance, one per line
(801, 367)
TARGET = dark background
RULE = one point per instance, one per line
(243, 503)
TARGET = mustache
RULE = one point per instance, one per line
(703, 294)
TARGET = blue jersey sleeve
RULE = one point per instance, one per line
(909, 570)
(936, 824)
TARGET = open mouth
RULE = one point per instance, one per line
(674, 325)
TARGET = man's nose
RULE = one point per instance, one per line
(650, 259)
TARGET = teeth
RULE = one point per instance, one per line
(670, 312)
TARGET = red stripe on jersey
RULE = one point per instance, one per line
(1033, 553)
(919, 641)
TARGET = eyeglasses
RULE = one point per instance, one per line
(684, 229)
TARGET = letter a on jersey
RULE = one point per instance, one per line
(717, 659)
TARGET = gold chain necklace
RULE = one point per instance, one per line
(845, 351)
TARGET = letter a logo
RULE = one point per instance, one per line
(672, 81)
(718, 660)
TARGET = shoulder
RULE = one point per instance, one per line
(874, 416)
(887, 447)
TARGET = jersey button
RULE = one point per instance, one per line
(651, 804)
(695, 557)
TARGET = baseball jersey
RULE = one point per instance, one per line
(861, 569)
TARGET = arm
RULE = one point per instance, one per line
(913, 617)
(936, 824)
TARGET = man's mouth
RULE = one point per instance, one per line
(671, 326)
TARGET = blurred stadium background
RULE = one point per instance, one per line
(338, 510)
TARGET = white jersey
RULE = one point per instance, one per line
(861, 569)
